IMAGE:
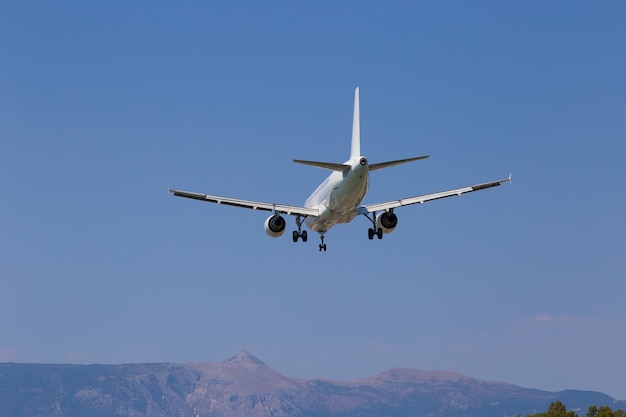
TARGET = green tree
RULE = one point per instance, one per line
(604, 411)
(557, 409)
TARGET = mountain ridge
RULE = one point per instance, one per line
(245, 386)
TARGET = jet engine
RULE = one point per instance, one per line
(387, 221)
(275, 225)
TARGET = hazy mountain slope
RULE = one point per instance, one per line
(245, 386)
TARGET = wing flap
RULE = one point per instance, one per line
(372, 208)
(253, 205)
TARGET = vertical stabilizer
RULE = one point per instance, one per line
(355, 151)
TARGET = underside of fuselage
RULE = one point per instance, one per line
(339, 196)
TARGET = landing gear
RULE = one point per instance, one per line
(322, 245)
(299, 233)
(374, 231)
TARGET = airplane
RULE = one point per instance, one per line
(338, 199)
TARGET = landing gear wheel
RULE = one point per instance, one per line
(322, 245)
(297, 234)
(379, 233)
(370, 233)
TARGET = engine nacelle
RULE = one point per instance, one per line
(387, 221)
(275, 225)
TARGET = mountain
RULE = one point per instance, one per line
(244, 386)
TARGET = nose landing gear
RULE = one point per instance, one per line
(322, 245)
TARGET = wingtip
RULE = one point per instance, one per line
(510, 179)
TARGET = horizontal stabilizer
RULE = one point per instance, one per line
(380, 165)
(326, 165)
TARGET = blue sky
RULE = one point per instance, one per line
(105, 105)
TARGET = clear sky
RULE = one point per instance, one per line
(103, 105)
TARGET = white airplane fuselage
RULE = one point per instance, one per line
(339, 196)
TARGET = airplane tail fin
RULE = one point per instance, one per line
(355, 151)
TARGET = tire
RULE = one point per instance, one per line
(305, 236)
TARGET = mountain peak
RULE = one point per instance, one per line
(245, 358)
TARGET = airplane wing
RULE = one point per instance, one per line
(372, 208)
(254, 205)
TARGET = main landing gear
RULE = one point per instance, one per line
(322, 245)
(299, 233)
(373, 231)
